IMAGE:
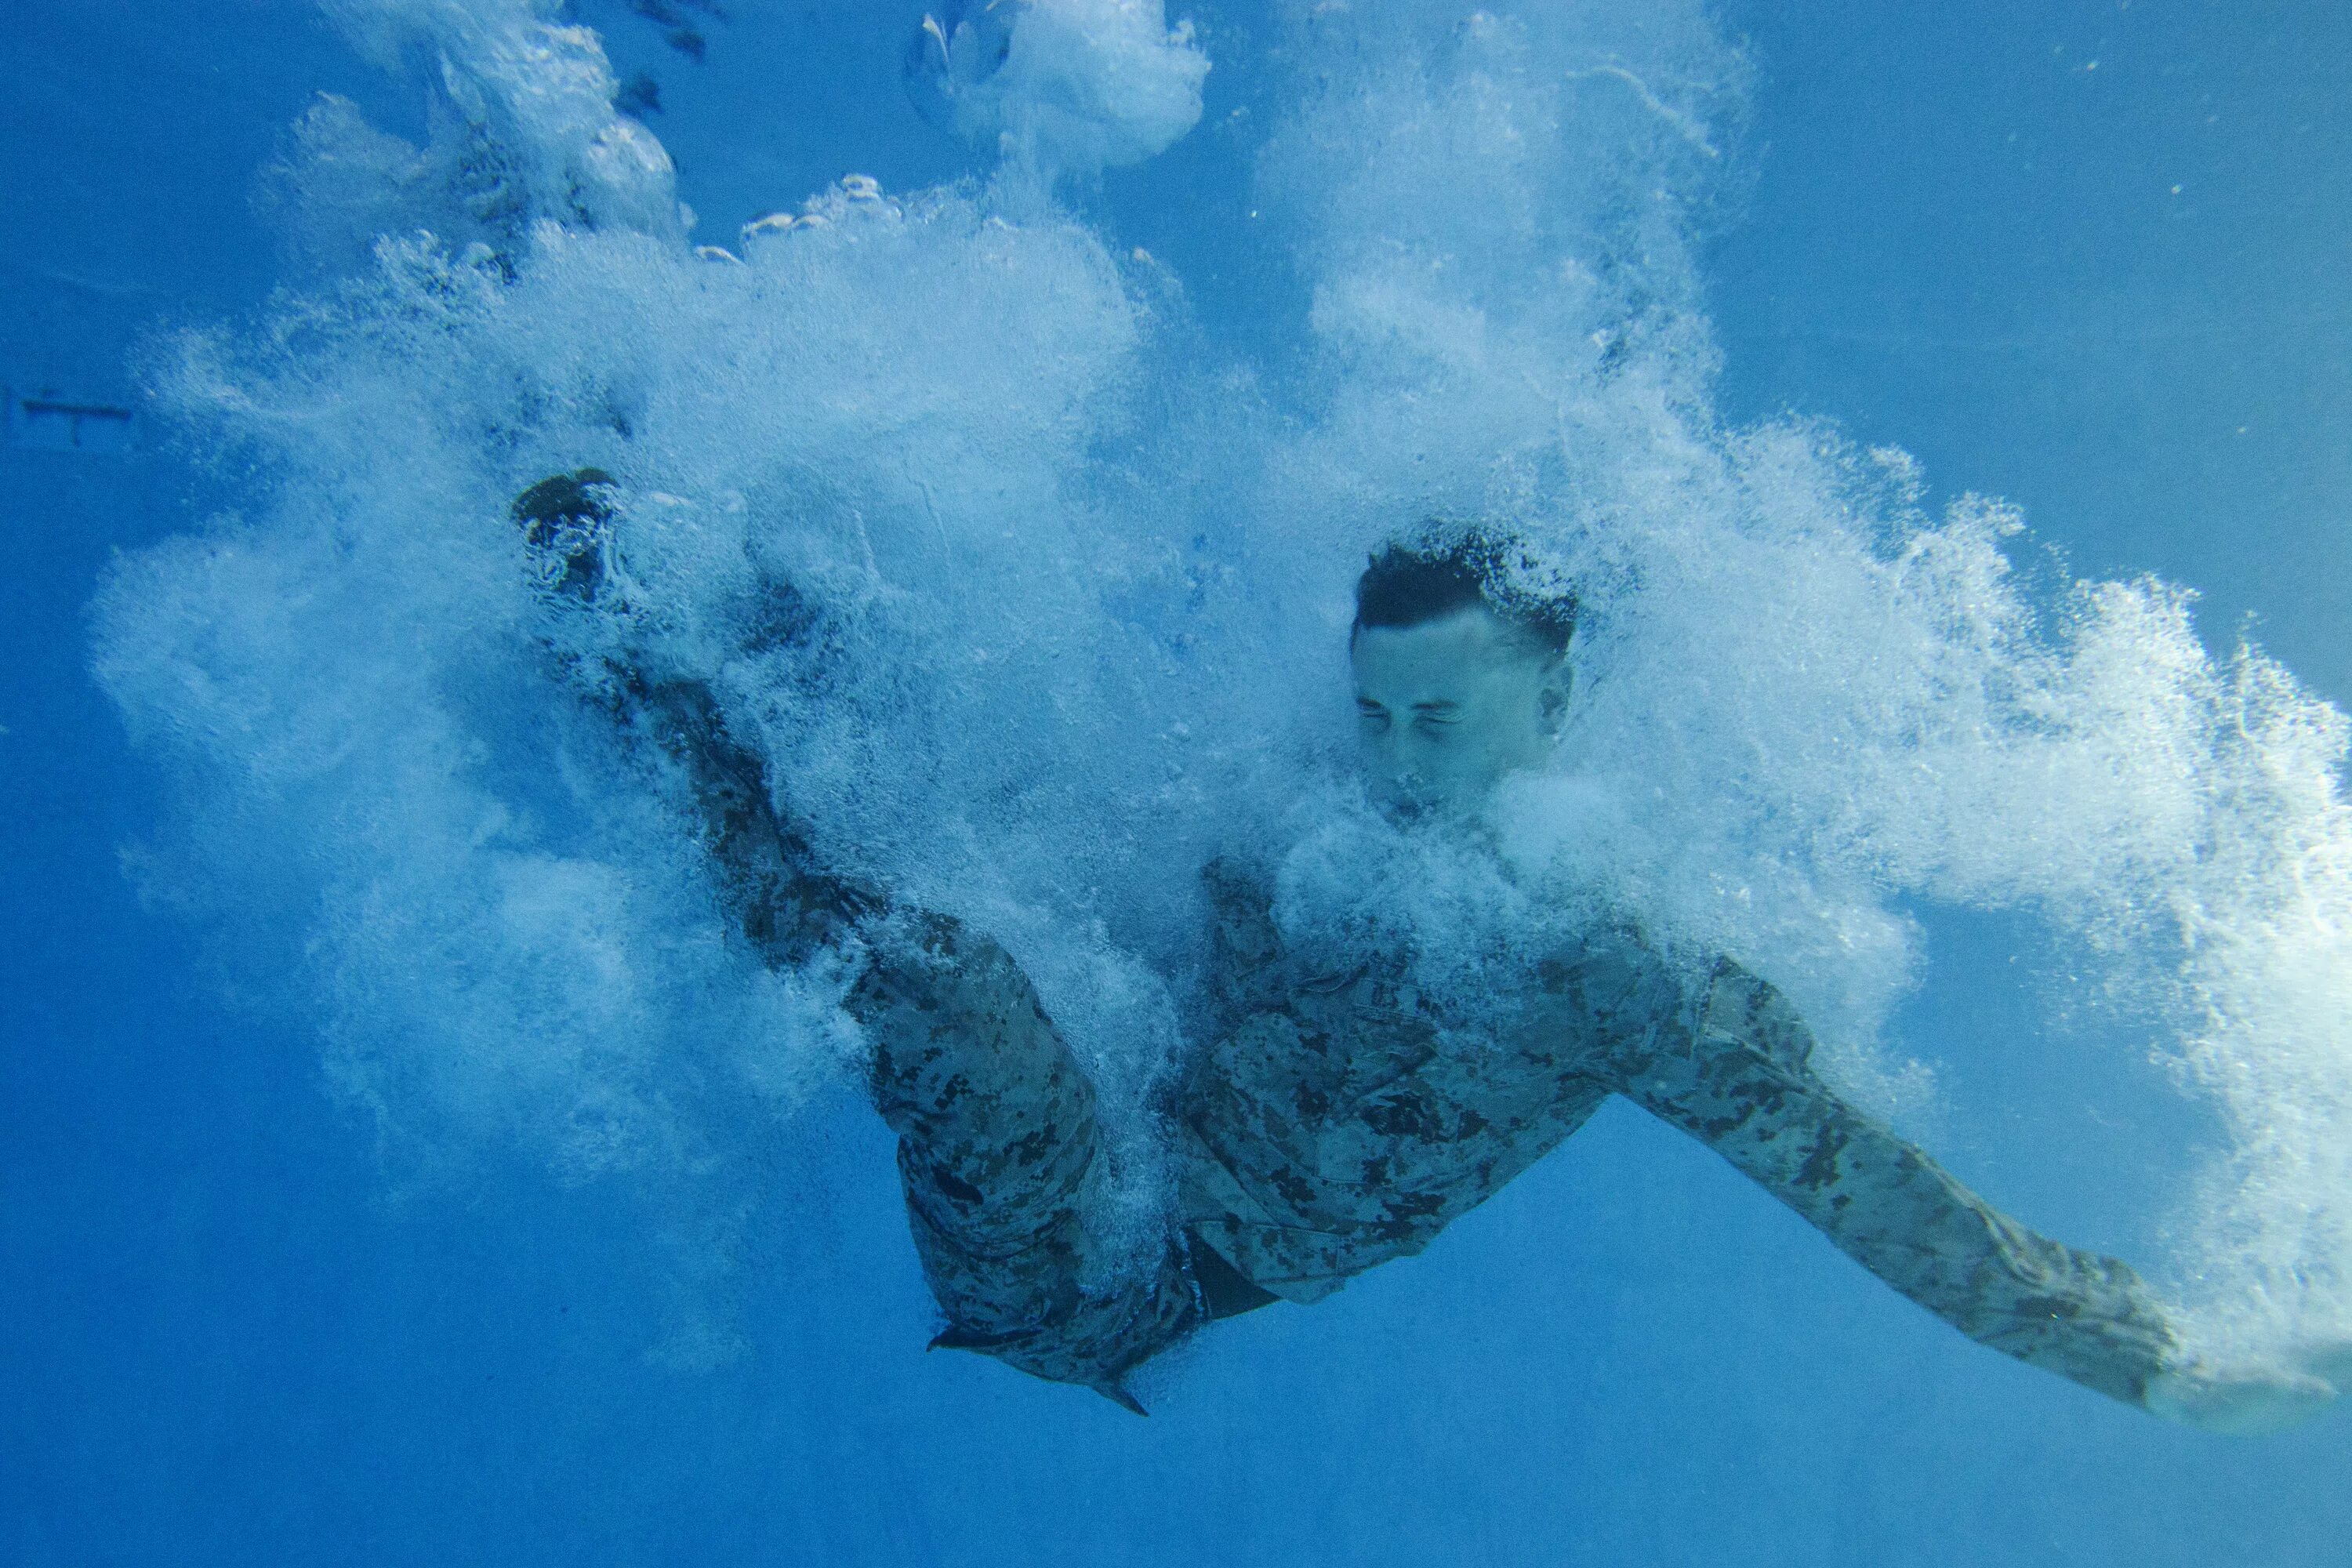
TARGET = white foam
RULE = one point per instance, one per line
(528, 128)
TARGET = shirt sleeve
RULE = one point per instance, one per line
(1735, 1073)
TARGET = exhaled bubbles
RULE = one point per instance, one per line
(1060, 86)
(954, 53)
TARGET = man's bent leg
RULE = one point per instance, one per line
(1001, 1157)
(999, 1152)
(999, 1148)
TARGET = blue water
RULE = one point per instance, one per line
(2087, 257)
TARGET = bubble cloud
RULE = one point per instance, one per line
(1073, 596)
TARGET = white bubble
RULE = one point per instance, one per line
(1068, 86)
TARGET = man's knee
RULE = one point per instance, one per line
(1036, 1313)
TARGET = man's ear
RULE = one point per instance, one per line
(1559, 682)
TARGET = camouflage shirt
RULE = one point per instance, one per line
(1337, 1124)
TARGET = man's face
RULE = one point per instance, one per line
(1446, 707)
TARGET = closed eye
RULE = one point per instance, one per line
(1371, 713)
(1435, 715)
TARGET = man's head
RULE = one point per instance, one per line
(1461, 676)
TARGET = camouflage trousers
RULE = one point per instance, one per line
(1002, 1158)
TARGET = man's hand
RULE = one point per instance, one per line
(2250, 1402)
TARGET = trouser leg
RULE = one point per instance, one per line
(999, 1150)
(1002, 1156)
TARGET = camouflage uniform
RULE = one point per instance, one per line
(1335, 1124)
(1336, 1120)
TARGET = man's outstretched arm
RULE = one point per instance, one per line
(1738, 1079)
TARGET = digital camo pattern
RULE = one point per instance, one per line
(1337, 1125)
(999, 1152)
(1003, 1161)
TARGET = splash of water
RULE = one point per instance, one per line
(1078, 598)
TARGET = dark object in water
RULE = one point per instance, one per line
(680, 34)
(954, 1337)
(639, 96)
(44, 419)
(564, 521)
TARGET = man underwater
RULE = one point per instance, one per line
(1342, 1118)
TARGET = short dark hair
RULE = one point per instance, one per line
(1449, 568)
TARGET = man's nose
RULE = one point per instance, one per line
(1399, 766)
